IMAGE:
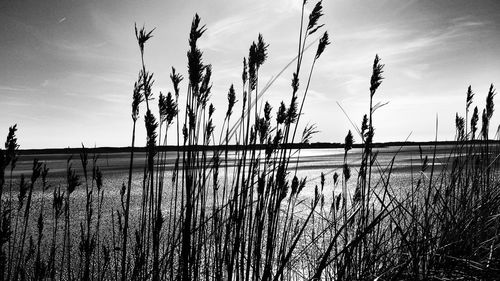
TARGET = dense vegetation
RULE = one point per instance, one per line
(252, 221)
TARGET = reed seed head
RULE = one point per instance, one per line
(252, 71)
(209, 130)
(151, 126)
(176, 80)
(231, 100)
(473, 122)
(314, 17)
(168, 108)
(257, 55)
(291, 115)
(308, 132)
(281, 116)
(147, 85)
(485, 126)
(195, 64)
(377, 78)
(489, 102)
(137, 98)
(348, 141)
(142, 36)
(295, 185)
(323, 42)
(205, 87)
(262, 126)
(261, 51)
(460, 126)
(11, 147)
(267, 111)
(162, 107)
(244, 75)
(11, 141)
(470, 96)
(211, 110)
(302, 184)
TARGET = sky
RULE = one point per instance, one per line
(68, 66)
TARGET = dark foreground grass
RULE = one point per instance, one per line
(251, 221)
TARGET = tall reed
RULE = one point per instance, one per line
(209, 212)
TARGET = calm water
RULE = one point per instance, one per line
(310, 164)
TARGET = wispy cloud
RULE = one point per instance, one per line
(415, 71)
(457, 31)
(5, 88)
(217, 35)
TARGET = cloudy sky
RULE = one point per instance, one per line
(68, 67)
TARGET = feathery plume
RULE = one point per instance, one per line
(308, 132)
(261, 51)
(231, 100)
(142, 36)
(137, 98)
(11, 147)
(485, 126)
(176, 80)
(295, 185)
(168, 108)
(291, 115)
(162, 108)
(473, 122)
(314, 17)
(488, 112)
(348, 141)
(489, 102)
(377, 78)
(281, 116)
(244, 75)
(151, 126)
(147, 85)
(252, 71)
(205, 87)
(195, 64)
(323, 42)
(470, 95)
(460, 126)
(211, 110)
(267, 111)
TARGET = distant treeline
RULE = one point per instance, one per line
(237, 147)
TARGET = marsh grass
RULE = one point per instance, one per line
(246, 217)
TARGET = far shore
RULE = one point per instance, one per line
(234, 147)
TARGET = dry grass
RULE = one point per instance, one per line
(249, 220)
